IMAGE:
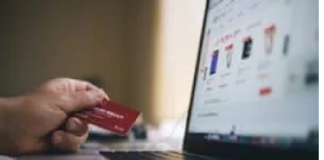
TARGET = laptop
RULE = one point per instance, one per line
(255, 94)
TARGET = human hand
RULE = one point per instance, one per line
(40, 121)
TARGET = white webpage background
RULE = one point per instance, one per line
(292, 108)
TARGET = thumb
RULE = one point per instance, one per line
(77, 101)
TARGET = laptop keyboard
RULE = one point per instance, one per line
(148, 155)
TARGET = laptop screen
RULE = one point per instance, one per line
(257, 77)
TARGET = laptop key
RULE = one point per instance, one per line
(177, 155)
(148, 155)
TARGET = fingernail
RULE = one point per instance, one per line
(57, 138)
(72, 126)
(104, 93)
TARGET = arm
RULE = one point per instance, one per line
(7, 107)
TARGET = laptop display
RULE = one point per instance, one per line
(256, 82)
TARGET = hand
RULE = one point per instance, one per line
(39, 121)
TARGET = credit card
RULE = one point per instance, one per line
(110, 115)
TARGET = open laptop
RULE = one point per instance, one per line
(255, 93)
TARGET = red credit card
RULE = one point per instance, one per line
(111, 116)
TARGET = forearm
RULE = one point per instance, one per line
(5, 105)
(7, 145)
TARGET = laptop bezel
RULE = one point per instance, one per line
(233, 150)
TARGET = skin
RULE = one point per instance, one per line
(41, 121)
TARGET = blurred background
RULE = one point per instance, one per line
(142, 52)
